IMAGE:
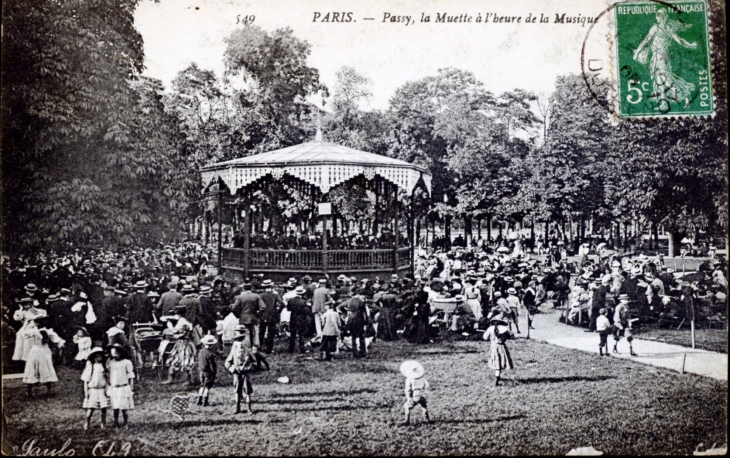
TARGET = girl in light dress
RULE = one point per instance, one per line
(499, 357)
(121, 383)
(95, 377)
(25, 335)
(83, 342)
(39, 363)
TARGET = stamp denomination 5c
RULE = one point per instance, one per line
(662, 59)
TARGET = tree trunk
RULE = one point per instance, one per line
(672, 236)
(532, 234)
(467, 230)
(447, 227)
(489, 228)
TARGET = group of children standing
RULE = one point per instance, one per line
(108, 384)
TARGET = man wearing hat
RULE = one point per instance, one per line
(239, 363)
(140, 304)
(209, 313)
(248, 305)
(514, 306)
(169, 300)
(599, 300)
(309, 287)
(299, 319)
(622, 323)
(320, 298)
(270, 315)
(356, 322)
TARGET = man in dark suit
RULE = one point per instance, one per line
(248, 305)
(270, 316)
(299, 320)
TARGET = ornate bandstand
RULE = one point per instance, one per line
(314, 169)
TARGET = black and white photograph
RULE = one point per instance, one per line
(364, 228)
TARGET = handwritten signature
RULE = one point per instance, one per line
(102, 448)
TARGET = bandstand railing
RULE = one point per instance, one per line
(273, 260)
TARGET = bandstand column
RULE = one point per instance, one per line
(247, 239)
(395, 229)
(325, 261)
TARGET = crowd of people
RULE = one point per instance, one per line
(79, 307)
(294, 241)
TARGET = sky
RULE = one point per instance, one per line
(504, 56)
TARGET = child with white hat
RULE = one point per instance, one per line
(499, 357)
(415, 388)
(206, 368)
(95, 377)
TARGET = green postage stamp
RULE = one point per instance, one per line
(662, 59)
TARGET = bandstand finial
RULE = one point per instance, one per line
(318, 135)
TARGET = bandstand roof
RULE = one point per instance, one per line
(322, 164)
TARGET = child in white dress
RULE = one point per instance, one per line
(39, 364)
(121, 383)
(95, 386)
(83, 342)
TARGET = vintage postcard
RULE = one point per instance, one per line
(364, 227)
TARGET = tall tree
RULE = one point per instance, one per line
(79, 149)
(277, 82)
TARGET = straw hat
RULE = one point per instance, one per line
(141, 284)
(511, 291)
(412, 368)
(499, 319)
(119, 347)
(208, 340)
(300, 290)
(267, 283)
(94, 351)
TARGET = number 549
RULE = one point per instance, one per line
(634, 99)
(248, 19)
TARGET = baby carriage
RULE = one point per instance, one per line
(441, 313)
(146, 343)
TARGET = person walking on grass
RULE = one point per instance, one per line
(514, 308)
(121, 384)
(331, 324)
(415, 389)
(95, 378)
(603, 327)
(497, 334)
(239, 363)
(206, 368)
(622, 324)
(39, 363)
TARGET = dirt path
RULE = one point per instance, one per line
(700, 362)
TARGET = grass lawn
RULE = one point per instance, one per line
(555, 399)
(705, 339)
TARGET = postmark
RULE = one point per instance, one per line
(662, 65)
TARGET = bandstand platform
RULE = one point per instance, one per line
(308, 172)
(280, 265)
